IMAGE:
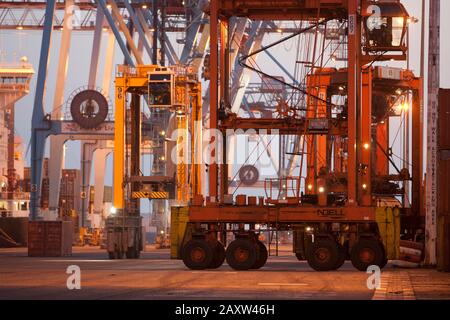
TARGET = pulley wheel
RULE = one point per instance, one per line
(89, 109)
(248, 175)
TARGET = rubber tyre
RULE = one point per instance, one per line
(322, 255)
(112, 255)
(197, 254)
(218, 255)
(262, 255)
(366, 253)
(342, 256)
(241, 254)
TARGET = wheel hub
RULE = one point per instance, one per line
(241, 255)
(198, 254)
(322, 255)
(367, 255)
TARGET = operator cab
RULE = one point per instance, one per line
(161, 88)
(385, 27)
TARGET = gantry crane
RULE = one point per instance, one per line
(177, 90)
(342, 211)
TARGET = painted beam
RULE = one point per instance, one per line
(115, 30)
(138, 26)
(38, 124)
(56, 156)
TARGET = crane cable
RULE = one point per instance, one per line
(298, 88)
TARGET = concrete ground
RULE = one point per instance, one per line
(155, 276)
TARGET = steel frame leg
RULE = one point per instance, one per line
(40, 128)
(100, 156)
(87, 151)
(55, 165)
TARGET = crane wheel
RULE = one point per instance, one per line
(262, 255)
(218, 255)
(241, 254)
(197, 254)
(368, 252)
(323, 255)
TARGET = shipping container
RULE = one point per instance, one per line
(50, 238)
(44, 193)
(27, 173)
(45, 168)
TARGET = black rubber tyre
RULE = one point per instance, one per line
(218, 255)
(342, 256)
(322, 255)
(366, 253)
(241, 254)
(111, 255)
(262, 255)
(197, 254)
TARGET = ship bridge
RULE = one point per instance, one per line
(14, 82)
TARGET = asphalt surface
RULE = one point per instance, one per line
(156, 276)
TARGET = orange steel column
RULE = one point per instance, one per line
(224, 89)
(322, 140)
(417, 118)
(214, 95)
(337, 155)
(317, 145)
(365, 178)
(354, 50)
(382, 162)
(119, 143)
(311, 153)
(196, 136)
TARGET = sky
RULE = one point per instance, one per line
(15, 44)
